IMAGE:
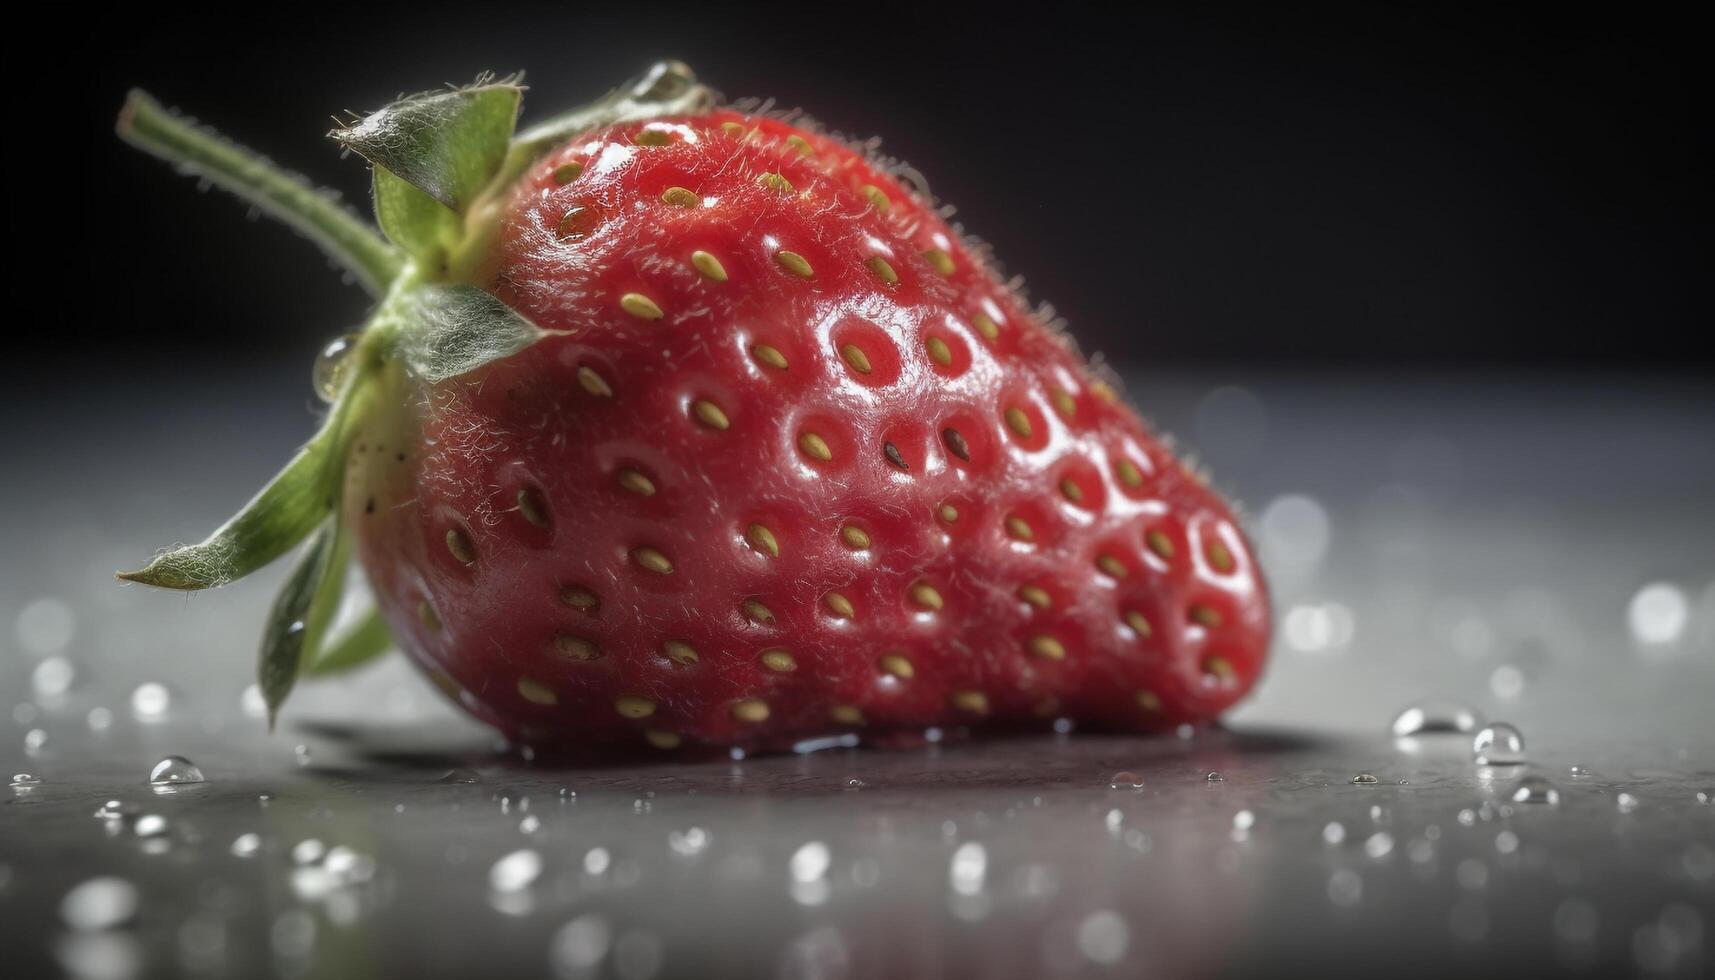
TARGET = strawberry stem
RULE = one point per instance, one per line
(313, 212)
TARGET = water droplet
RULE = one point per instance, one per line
(1706, 797)
(855, 783)
(1506, 842)
(1577, 772)
(149, 825)
(113, 810)
(1658, 613)
(530, 824)
(1244, 820)
(24, 780)
(332, 366)
(1499, 744)
(1214, 777)
(688, 843)
(580, 945)
(175, 769)
(150, 701)
(1379, 845)
(1126, 781)
(968, 868)
(1365, 779)
(308, 851)
(53, 677)
(1333, 833)
(1435, 716)
(1626, 802)
(809, 862)
(516, 871)
(246, 845)
(1535, 789)
(1103, 937)
(252, 703)
(1317, 628)
(99, 903)
(1507, 682)
(465, 777)
(597, 860)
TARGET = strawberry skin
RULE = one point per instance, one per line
(793, 462)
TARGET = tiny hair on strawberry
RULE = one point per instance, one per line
(680, 425)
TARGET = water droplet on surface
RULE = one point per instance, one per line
(246, 845)
(151, 701)
(596, 861)
(1333, 833)
(1506, 842)
(466, 777)
(580, 945)
(688, 843)
(308, 851)
(1535, 789)
(99, 903)
(1365, 779)
(1126, 781)
(1379, 845)
(1318, 628)
(1499, 744)
(1103, 937)
(24, 780)
(968, 869)
(1435, 716)
(1657, 614)
(1244, 820)
(1577, 772)
(175, 769)
(332, 365)
(149, 825)
(1507, 682)
(1626, 802)
(855, 783)
(516, 871)
(809, 862)
(113, 810)
(53, 677)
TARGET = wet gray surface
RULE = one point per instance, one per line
(1541, 551)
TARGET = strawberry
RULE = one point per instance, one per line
(680, 425)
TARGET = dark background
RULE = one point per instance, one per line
(1345, 188)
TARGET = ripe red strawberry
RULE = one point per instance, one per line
(789, 460)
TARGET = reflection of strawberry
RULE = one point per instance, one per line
(788, 461)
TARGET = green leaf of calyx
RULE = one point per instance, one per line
(287, 509)
(357, 645)
(305, 606)
(447, 331)
(433, 155)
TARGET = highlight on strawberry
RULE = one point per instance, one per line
(680, 424)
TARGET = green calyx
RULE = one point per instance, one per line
(444, 165)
